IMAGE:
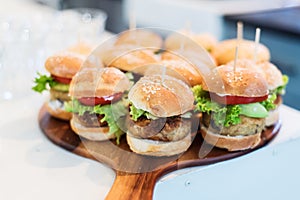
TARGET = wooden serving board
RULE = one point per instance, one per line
(130, 185)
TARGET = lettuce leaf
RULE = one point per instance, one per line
(136, 113)
(222, 115)
(232, 117)
(43, 82)
(281, 89)
(227, 115)
(269, 102)
(111, 112)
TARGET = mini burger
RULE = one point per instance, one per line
(97, 103)
(62, 67)
(231, 102)
(224, 51)
(276, 86)
(159, 123)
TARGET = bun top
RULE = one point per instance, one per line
(269, 71)
(162, 97)
(67, 63)
(272, 75)
(176, 40)
(129, 60)
(243, 82)
(207, 40)
(98, 82)
(172, 65)
(182, 70)
(224, 51)
(141, 38)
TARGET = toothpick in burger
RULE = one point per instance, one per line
(277, 83)
(230, 102)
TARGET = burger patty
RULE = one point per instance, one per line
(248, 126)
(90, 120)
(162, 129)
(56, 94)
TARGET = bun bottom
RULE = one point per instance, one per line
(56, 109)
(231, 143)
(158, 148)
(273, 117)
(91, 133)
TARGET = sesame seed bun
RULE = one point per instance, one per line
(243, 82)
(176, 40)
(128, 59)
(67, 63)
(272, 75)
(140, 37)
(98, 82)
(224, 51)
(179, 69)
(269, 71)
(162, 97)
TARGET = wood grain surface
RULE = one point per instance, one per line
(136, 175)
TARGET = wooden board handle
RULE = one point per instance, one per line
(133, 186)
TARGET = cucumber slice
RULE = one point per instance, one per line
(255, 110)
(61, 87)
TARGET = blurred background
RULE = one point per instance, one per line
(278, 19)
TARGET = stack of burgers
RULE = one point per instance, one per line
(150, 94)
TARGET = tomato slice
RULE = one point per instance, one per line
(233, 100)
(104, 100)
(61, 79)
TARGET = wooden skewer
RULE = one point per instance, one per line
(257, 39)
(132, 21)
(240, 28)
(239, 38)
(132, 17)
(235, 60)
